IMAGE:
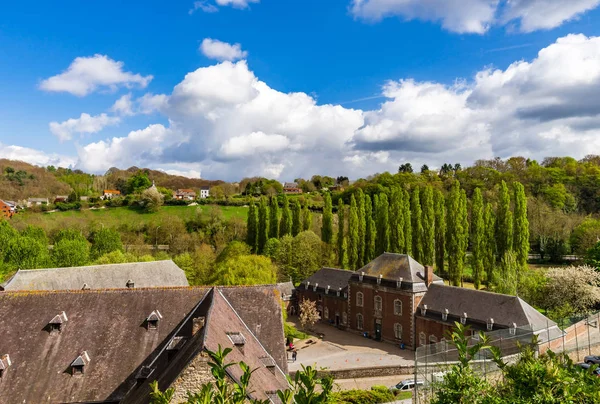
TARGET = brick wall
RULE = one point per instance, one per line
(330, 301)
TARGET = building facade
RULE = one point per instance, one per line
(185, 194)
(204, 192)
(7, 210)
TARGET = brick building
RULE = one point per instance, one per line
(328, 287)
(7, 210)
(107, 346)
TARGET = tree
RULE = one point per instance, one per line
(417, 225)
(477, 237)
(245, 270)
(396, 217)
(370, 230)
(308, 314)
(327, 227)
(198, 265)
(296, 218)
(252, 227)
(137, 183)
(455, 234)
(353, 235)
(440, 231)
(301, 256)
(571, 290)
(306, 217)
(424, 168)
(383, 225)
(464, 234)
(233, 250)
(105, 241)
(285, 225)
(71, 253)
(273, 218)
(272, 248)
(341, 238)
(504, 222)
(25, 252)
(489, 244)
(151, 200)
(521, 227)
(362, 227)
(263, 225)
(407, 223)
(405, 168)
(507, 281)
(428, 227)
(7, 233)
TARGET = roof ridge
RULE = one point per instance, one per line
(94, 265)
(471, 290)
(98, 291)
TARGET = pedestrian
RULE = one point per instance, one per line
(294, 355)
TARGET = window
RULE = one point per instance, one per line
(319, 297)
(422, 339)
(359, 321)
(398, 330)
(326, 312)
(359, 299)
(320, 311)
(398, 307)
(344, 318)
(433, 339)
(378, 303)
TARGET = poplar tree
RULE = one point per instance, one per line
(362, 227)
(296, 218)
(252, 227)
(353, 235)
(263, 225)
(285, 225)
(428, 226)
(306, 217)
(521, 227)
(453, 234)
(477, 237)
(370, 232)
(504, 223)
(274, 218)
(407, 222)
(440, 231)
(327, 227)
(396, 221)
(341, 238)
(489, 244)
(464, 232)
(383, 225)
(417, 225)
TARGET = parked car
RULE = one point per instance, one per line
(407, 384)
(592, 359)
(586, 366)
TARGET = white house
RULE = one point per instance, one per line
(204, 192)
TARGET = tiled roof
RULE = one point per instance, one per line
(332, 277)
(112, 276)
(394, 266)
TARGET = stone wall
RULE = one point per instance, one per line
(358, 373)
(196, 374)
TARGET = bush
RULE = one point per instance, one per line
(378, 394)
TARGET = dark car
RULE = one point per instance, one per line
(592, 359)
(587, 366)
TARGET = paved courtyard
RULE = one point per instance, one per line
(340, 350)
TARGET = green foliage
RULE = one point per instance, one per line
(296, 218)
(370, 230)
(263, 225)
(362, 227)
(396, 218)
(374, 396)
(233, 250)
(408, 234)
(26, 252)
(151, 200)
(489, 244)
(71, 252)
(252, 228)
(585, 236)
(327, 227)
(477, 238)
(507, 281)
(521, 227)
(383, 225)
(417, 225)
(245, 270)
(306, 217)
(197, 265)
(440, 231)
(273, 218)
(285, 225)
(428, 227)
(138, 183)
(504, 223)
(341, 238)
(36, 233)
(353, 235)
(105, 241)
(456, 233)
(272, 248)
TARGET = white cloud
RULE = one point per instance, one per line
(236, 3)
(150, 103)
(215, 49)
(88, 74)
(256, 142)
(208, 7)
(123, 106)
(36, 157)
(476, 16)
(204, 6)
(85, 124)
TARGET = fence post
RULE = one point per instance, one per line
(577, 342)
(587, 324)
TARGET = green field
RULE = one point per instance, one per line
(113, 217)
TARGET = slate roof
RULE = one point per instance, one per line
(286, 289)
(110, 326)
(333, 277)
(112, 276)
(482, 305)
(290, 185)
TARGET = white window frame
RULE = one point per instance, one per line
(360, 321)
(360, 299)
(398, 304)
(378, 303)
(398, 330)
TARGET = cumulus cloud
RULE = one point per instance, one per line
(88, 74)
(215, 49)
(123, 106)
(147, 104)
(476, 16)
(85, 124)
(208, 7)
(226, 123)
(36, 157)
(236, 3)
(204, 6)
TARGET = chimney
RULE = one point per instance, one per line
(197, 324)
(428, 275)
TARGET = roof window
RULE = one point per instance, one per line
(4, 364)
(79, 364)
(463, 319)
(85, 287)
(490, 324)
(237, 338)
(130, 284)
(56, 324)
(153, 319)
(445, 315)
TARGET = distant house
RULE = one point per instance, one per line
(37, 201)
(204, 192)
(291, 188)
(110, 193)
(61, 198)
(7, 209)
(107, 346)
(185, 194)
(112, 276)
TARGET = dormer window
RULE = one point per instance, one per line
(4, 364)
(307, 285)
(424, 310)
(399, 283)
(379, 279)
(153, 319)
(490, 324)
(237, 338)
(463, 319)
(57, 323)
(315, 287)
(130, 284)
(85, 287)
(361, 276)
(79, 364)
(513, 329)
(445, 315)
(339, 291)
(327, 290)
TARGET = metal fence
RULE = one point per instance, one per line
(578, 337)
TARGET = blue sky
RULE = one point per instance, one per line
(335, 87)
